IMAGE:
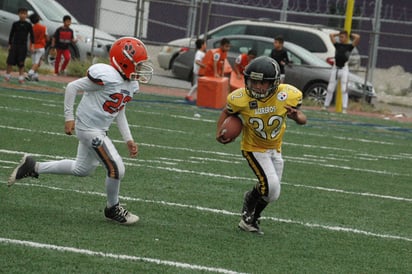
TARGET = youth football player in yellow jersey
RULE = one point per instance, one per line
(263, 106)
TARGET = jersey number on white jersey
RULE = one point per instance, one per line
(117, 104)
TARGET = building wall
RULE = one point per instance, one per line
(83, 10)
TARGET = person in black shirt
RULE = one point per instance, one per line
(340, 69)
(280, 55)
(18, 44)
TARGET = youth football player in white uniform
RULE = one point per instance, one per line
(107, 89)
(263, 105)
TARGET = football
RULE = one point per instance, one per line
(231, 127)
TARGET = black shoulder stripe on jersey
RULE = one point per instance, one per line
(95, 80)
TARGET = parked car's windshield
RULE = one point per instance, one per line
(53, 11)
(229, 30)
(307, 56)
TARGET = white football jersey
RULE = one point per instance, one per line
(198, 57)
(105, 94)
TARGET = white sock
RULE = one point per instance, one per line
(112, 191)
(31, 72)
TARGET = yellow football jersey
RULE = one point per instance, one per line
(264, 121)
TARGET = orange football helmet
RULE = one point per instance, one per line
(128, 55)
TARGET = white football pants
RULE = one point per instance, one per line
(268, 168)
(335, 75)
(93, 147)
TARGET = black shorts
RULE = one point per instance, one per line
(17, 55)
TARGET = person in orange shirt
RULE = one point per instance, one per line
(242, 61)
(214, 60)
(40, 40)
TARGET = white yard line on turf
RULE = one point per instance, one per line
(142, 163)
(226, 212)
(115, 256)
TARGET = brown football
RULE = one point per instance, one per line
(231, 127)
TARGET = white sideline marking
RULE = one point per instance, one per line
(25, 98)
(187, 117)
(31, 111)
(126, 162)
(160, 129)
(226, 212)
(116, 256)
(29, 130)
(345, 138)
(353, 193)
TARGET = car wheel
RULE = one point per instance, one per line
(316, 92)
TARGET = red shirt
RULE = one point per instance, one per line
(39, 31)
(63, 37)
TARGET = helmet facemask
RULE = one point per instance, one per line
(143, 73)
(260, 93)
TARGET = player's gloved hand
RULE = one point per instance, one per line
(69, 127)
(133, 148)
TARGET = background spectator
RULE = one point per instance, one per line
(280, 55)
(197, 63)
(18, 44)
(40, 40)
(214, 60)
(61, 40)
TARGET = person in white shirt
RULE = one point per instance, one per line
(106, 90)
(197, 63)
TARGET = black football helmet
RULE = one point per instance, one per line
(262, 69)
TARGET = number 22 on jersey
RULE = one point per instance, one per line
(117, 103)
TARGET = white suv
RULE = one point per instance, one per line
(311, 37)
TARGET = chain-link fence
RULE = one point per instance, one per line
(160, 21)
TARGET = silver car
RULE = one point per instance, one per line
(52, 14)
(306, 71)
(314, 38)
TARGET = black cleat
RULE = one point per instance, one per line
(252, 226)
(119, 214)
(23, 170)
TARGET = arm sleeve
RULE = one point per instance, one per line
(11, 34)
(123, 126)
(82, 84)
(31, 34)
(56, 36)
